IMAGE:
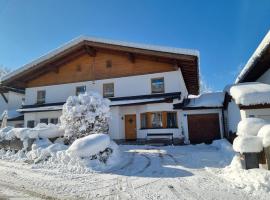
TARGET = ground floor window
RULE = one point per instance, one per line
(171, 120)
(54, 120)
(30, 123)
(158, 120)
(44, 120)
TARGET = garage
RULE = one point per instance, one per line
(203, 128)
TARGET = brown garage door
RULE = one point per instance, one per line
(203, 128)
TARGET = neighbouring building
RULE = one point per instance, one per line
(143, 83)
(250, 95)
(11, 99)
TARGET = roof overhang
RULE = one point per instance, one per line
(258, 63)
(186, 60)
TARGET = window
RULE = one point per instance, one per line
(31, 124)
(162, 119)
(108, 90)
(171, 120)
(80, 90)
(41, 96)
(143, 120)
(157, 85)
(156, 120)
(44, 120)
(54, 120)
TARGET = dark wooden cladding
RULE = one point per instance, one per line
(92, 58)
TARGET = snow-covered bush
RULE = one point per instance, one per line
(250, 126)
(264, 133)
(84, 115)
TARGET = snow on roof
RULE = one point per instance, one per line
(257, 54)
(112, 103)
(250, 93)
(44, 108)
(99, 40)
(213, 99)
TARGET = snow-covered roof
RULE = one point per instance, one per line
(104, 41)
(112, 103)
(43, 108)
(253, 59)
(250, 93)
(212, 99)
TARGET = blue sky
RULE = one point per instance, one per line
(226, 32)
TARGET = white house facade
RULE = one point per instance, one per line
(147, 86)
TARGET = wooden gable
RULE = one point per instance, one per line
(88, 61)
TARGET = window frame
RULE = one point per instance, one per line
(43, 99)
(152, 87)
(104, 93)
(77, 92)
(56, 119)
(27, 123)
(163, 120)
(176, 123)
(47, 119)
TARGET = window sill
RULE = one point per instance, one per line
(159, 128)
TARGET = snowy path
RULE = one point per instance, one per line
(185, 172)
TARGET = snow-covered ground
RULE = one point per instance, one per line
(145, 172)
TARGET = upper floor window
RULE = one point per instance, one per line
(80, 90)
(108, 90)
(157, 85)
(41, 94)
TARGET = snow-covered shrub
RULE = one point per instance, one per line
(264, 133)
(250, 126)
(48, 130)
(84, 115)
(248, 144)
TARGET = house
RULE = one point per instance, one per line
(143, 83)
(11, 99)
(250, 95)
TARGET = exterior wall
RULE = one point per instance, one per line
(15, 100)
(260, 113)
(17, 124)
(265, 78)
(36, 116)
(234, 117)
(125, 86)
(117, 122)
(184, 122)
(87, 68)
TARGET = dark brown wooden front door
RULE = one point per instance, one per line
(203, 128)
(130, 127)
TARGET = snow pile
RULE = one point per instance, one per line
(251, 93)
(41, 131)
(250, 126)
(89, 145)
(84, 115)
(48, 130)
(253, 181)
(248, 144)
(264, 133)
(247, 140)
(213, 99)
